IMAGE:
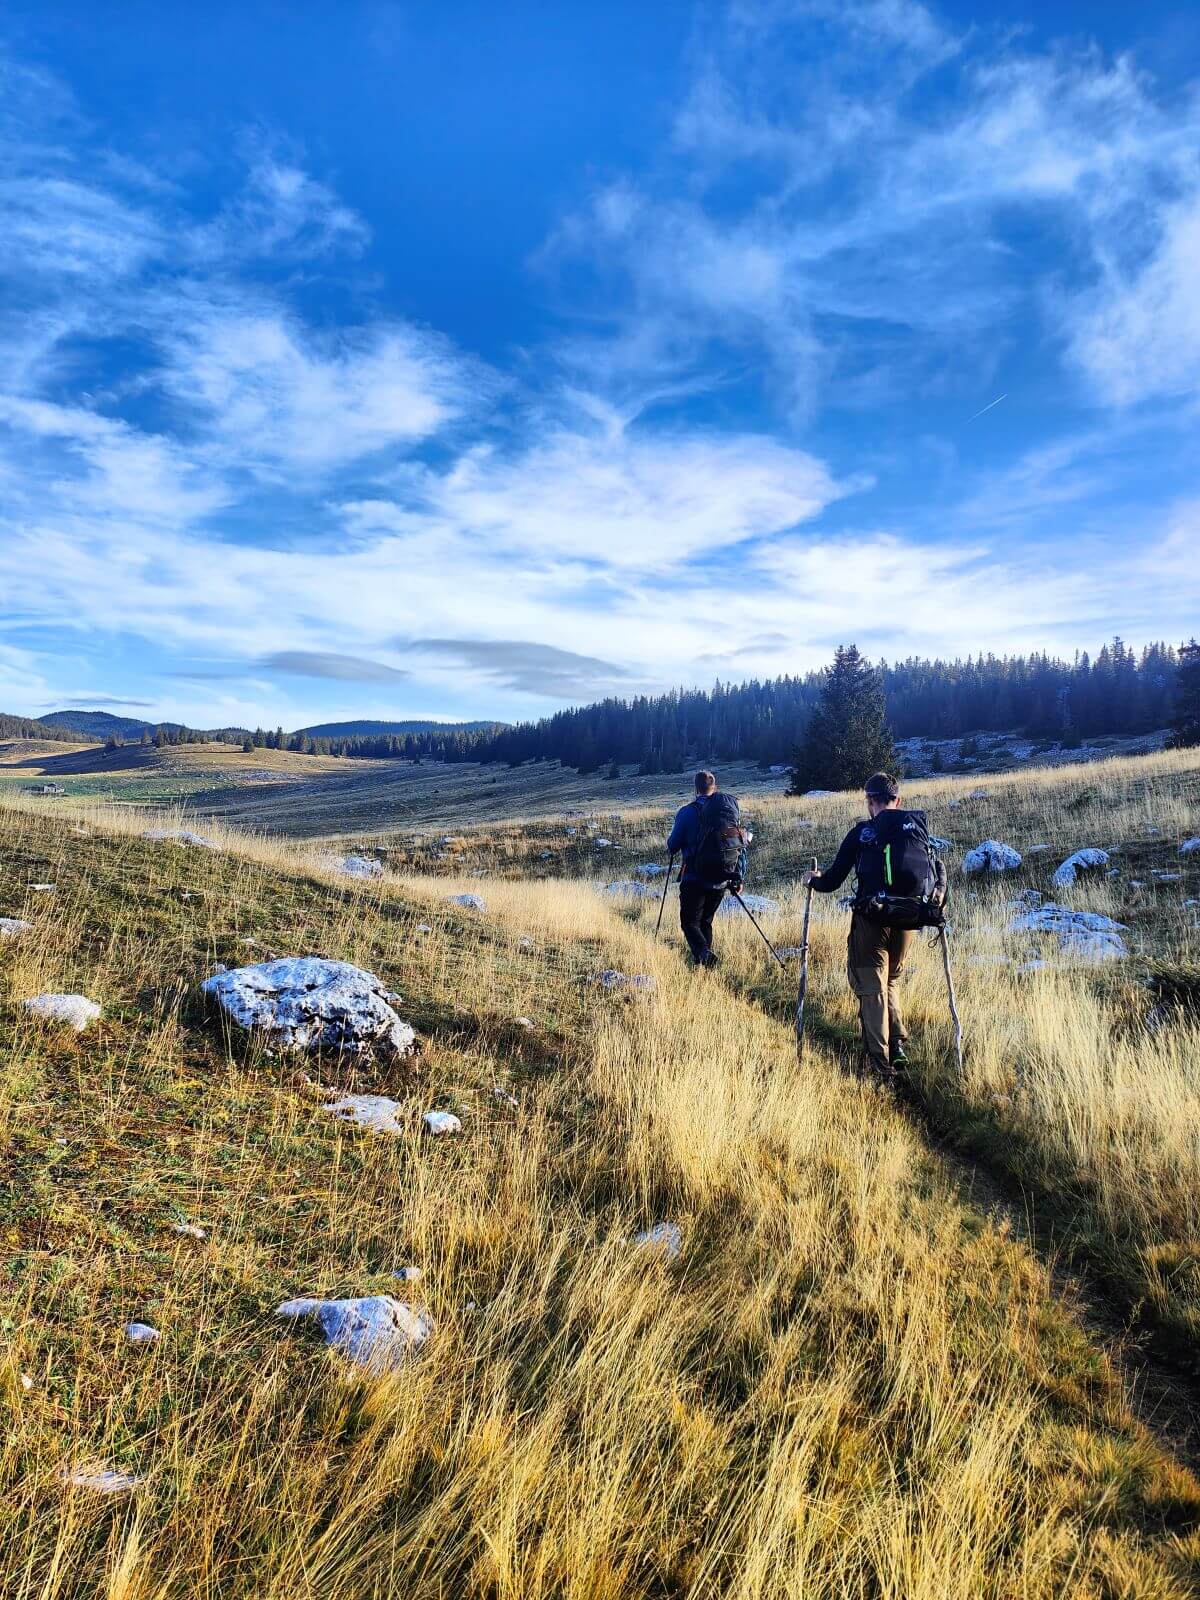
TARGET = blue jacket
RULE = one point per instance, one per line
(685, 835)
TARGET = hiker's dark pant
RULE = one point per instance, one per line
(697, 907)
(874, 961)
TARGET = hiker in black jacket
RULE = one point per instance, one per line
(875, 953)
(698, 898)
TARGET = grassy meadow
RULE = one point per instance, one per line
(855, 1380)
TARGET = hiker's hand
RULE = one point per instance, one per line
(809, 875)
(735, 885)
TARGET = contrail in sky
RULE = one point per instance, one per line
(995, 402)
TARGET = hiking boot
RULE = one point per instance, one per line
(898, 1056)
(875, 1067)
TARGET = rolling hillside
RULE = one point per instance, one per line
(863, 1374)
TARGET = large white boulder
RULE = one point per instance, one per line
(1085, 935)
(306, 1002)
(991, 856)
(376, 1331)
(76, 1010)
(1086, 860)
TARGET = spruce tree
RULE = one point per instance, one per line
(1185, 721)
(846, 737)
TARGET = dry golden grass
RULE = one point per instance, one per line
(849, 1384)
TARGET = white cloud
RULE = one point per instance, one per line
(277, 395)
(1138, 336)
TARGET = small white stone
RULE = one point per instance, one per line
(526, 1023)
(610, 978)
(1190, 846)
(441, 1122)
(375, 1112)
(504, 1097)
(76, 1010)
(27, 1383)
(358, 867)
(140, 1333)
(100, 1480)
(469, 902)
(408, 1274)
(13, 927)
(376, 1331)
(189, 1230)
(422, 927)
(43, 888)
(663, 1236)
(179, 836)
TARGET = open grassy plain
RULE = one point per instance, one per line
(858, 1378)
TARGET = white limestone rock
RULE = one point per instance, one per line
(663, 1237)
(1189, 847)
(469, 902)
(189, 1230)
(100, 1480)
(375, 1112)
(408, 1274)
(13, 927)
(441, 1123)
(1085, 860)
(43, 888)
(649, 869)
(141, 1333)
(358, 867)
(991, 856)
(180, 836)
(630, 889)
(939, 844)
(76, 1010)
(610, 978)
(760, 904)
(375, 1331)
(1083, 935)
(817, 794)
(306, 1002)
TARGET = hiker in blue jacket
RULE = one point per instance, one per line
(698, 899)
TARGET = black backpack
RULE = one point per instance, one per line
(901, 882)
(717, 858)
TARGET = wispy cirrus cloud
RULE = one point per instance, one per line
(531, 668)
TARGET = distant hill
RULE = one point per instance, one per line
(367, 729)
(99, 724)
(102, 724)
(37, 728)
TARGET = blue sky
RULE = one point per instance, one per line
(454, 360)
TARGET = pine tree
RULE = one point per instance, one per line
(847, 737)
(1185, 721)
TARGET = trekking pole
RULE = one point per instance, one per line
(803, 968)
(663, 901)
(958, 1033)
(761, 934)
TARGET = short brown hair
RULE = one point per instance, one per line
(704, 782)
(882, 786)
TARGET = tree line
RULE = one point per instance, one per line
(1118, 691)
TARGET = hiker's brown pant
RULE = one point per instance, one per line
(874, 961)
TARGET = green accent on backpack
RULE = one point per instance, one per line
(887, 864)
